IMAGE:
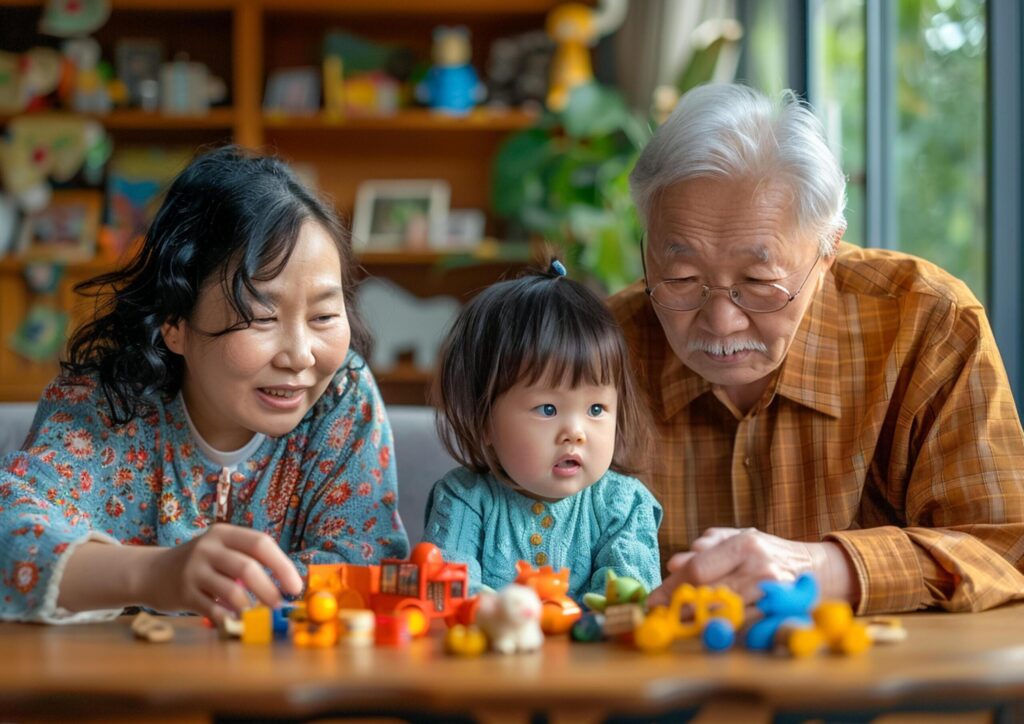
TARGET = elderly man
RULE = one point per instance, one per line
(818, 407)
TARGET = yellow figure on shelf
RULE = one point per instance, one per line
(575, 27)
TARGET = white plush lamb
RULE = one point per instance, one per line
(511, 619)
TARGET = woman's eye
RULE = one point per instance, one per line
(264, 320)
(596, 410)
(326, 317)
(548, 410)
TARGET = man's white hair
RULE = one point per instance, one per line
(731, 131)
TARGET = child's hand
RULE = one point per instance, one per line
(214, 573)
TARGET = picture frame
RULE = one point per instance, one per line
(138, 60)
(65, 230)
(401, 215)
(465, 228)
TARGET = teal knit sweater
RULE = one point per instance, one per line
(613, 524)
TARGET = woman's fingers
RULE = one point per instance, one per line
(265, 551)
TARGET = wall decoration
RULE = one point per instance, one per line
(395, 215)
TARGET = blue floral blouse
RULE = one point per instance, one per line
(326, 491)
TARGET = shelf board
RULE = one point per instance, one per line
(129, 118)
(189, 5)
(407, 119)
(414, 7)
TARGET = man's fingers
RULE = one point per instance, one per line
(712, 537)
(707, 568)
(660, 596)
(679, 560)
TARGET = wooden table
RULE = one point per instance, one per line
(100, 671)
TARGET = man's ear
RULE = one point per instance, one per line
(837, 236)
(173, 336)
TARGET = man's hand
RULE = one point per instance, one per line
(214, 573)
(740, 558)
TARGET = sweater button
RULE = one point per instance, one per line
(538, 508)
(541, 558)
(547, 522)
(536, 539)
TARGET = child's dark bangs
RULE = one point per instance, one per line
(572, 354)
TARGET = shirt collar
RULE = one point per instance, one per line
(808, 376)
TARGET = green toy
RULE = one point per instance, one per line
(617, 589)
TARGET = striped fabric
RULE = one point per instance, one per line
(890, 428)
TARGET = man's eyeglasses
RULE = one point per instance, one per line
(685, 295)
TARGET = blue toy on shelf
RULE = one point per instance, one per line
(451, 86)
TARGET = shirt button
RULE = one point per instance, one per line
(536, 539)
(538, 507)
(541, 558)
(547, 522)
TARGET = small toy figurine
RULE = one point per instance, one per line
(589, 628)
(559, 612)
(789, 603)
(465, 640)
(617, 589)
(716, 605)
(511, 619)
(886, 630)
(575, 27)
(833, 627)
(357, 627)
(451, 85)
(150, 628)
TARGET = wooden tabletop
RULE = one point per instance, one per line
(102, 670)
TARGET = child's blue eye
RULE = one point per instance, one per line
(548, 410)
(596, 410)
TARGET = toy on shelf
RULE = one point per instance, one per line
(717, 613)
(789, 603)
(511, 619)
(72, 18)
(29, 80)
(558, 611)
(575, 27)
(451, 85)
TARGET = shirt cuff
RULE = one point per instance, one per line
(50, 612)
(888, 569)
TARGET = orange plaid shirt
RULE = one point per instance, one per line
(889, 428)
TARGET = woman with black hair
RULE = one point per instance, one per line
(215, 428)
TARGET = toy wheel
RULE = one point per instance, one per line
(416, 621)
(652, 637)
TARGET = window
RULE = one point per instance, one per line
(932, 155)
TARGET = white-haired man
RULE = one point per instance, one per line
(819, 407)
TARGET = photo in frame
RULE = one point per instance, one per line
(65, 230)
(138, 61)
(401, 215)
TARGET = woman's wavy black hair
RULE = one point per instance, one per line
(539, 327)
(232, 214)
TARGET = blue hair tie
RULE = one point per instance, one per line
(558, 268)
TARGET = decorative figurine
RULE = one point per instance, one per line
(575, 27)
(617, 589)
(451, 85)
(511, 619)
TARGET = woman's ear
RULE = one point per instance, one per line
(173, 336)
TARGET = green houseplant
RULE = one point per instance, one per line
(566, 180)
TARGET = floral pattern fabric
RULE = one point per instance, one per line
(326, 491)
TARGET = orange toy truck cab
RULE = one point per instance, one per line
(558, 611)
(422, 588)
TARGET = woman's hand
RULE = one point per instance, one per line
(740, 558)
(215, 573)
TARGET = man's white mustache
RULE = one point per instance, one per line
(726, 347)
